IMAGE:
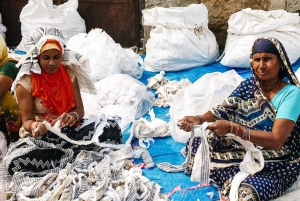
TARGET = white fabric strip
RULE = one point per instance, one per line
(253, 162)
(201, 167)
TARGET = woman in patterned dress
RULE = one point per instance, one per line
(263, 109)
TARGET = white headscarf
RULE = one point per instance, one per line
(29, 63)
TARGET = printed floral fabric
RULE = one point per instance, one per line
(281, 169)
(10, 118)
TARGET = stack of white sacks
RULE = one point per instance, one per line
(247, 25)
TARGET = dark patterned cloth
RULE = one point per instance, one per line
(48, 151)
(248, 106)
(33, 157)
(111, 134)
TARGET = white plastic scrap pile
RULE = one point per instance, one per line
(106, 57)
(2, 28)
(121, 97)
(165, 89)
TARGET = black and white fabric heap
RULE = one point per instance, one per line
(146, 130)
(105, 175)
(29, 159)
(90, 135)
(64, 165)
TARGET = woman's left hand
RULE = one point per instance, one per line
(67, 119)
(220, 127)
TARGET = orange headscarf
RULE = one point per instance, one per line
(55, 90)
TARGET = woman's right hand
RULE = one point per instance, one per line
(67, 119)
(188, 122)
(37, 129)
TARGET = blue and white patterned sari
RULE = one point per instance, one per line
(248, 106)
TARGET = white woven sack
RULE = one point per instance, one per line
(209, 90)
(245, 26)
(2, 28)
(38, 13)
(105, 55)
(180, 40)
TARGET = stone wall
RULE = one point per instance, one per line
(219, 12)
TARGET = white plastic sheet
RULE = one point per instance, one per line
(2, 28)
(106, 57)
(209, 90)
(180, 40)
(245, 26)
(38, 13)
(120, 97)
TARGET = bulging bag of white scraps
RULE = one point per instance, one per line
(245, 26)
(121, 97)
(180, 40)
(206, 92)
(39, 13)
(106, 56)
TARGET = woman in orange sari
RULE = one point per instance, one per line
(48, 89)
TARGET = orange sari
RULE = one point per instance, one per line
(54, 90)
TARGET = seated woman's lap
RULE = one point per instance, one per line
(111, 134)
(267, 184)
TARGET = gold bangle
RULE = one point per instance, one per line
(231, 127)
(77, 116)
